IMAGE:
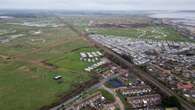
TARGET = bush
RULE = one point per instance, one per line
(171, 101)
(107, 95)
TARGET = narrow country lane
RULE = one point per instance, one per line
(117, 99)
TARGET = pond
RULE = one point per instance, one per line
(115, 83)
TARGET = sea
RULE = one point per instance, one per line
(183, 17)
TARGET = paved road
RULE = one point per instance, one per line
(117, 99)
(185, 104)
(96, 86)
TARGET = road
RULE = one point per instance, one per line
(146, 77)
(185, 104)
(117, 99)
(96, 86)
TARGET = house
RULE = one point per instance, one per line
(135, 90)
(96, 101)
(144, 101)
(184, 86)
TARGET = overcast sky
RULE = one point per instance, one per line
(99, 4)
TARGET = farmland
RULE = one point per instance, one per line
(34, 50)
(149, 32)
(136, 27)
(29, 62)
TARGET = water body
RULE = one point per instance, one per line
(186, 18)
(116, 83)
(174, 15)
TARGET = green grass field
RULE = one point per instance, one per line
(107, 95)
(150, 32)
(25, 85)
(72, 59)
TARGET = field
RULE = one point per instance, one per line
(149, 32)
(29, 63)
(34, 50)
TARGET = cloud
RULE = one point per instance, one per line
(100, 4)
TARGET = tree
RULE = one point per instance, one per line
(171, 101)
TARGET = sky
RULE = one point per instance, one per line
(99, 4)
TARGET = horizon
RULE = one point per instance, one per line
(84, 10)
(95, 5)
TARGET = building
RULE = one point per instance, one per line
(144, 101)
(184, 86)
(137, 90)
